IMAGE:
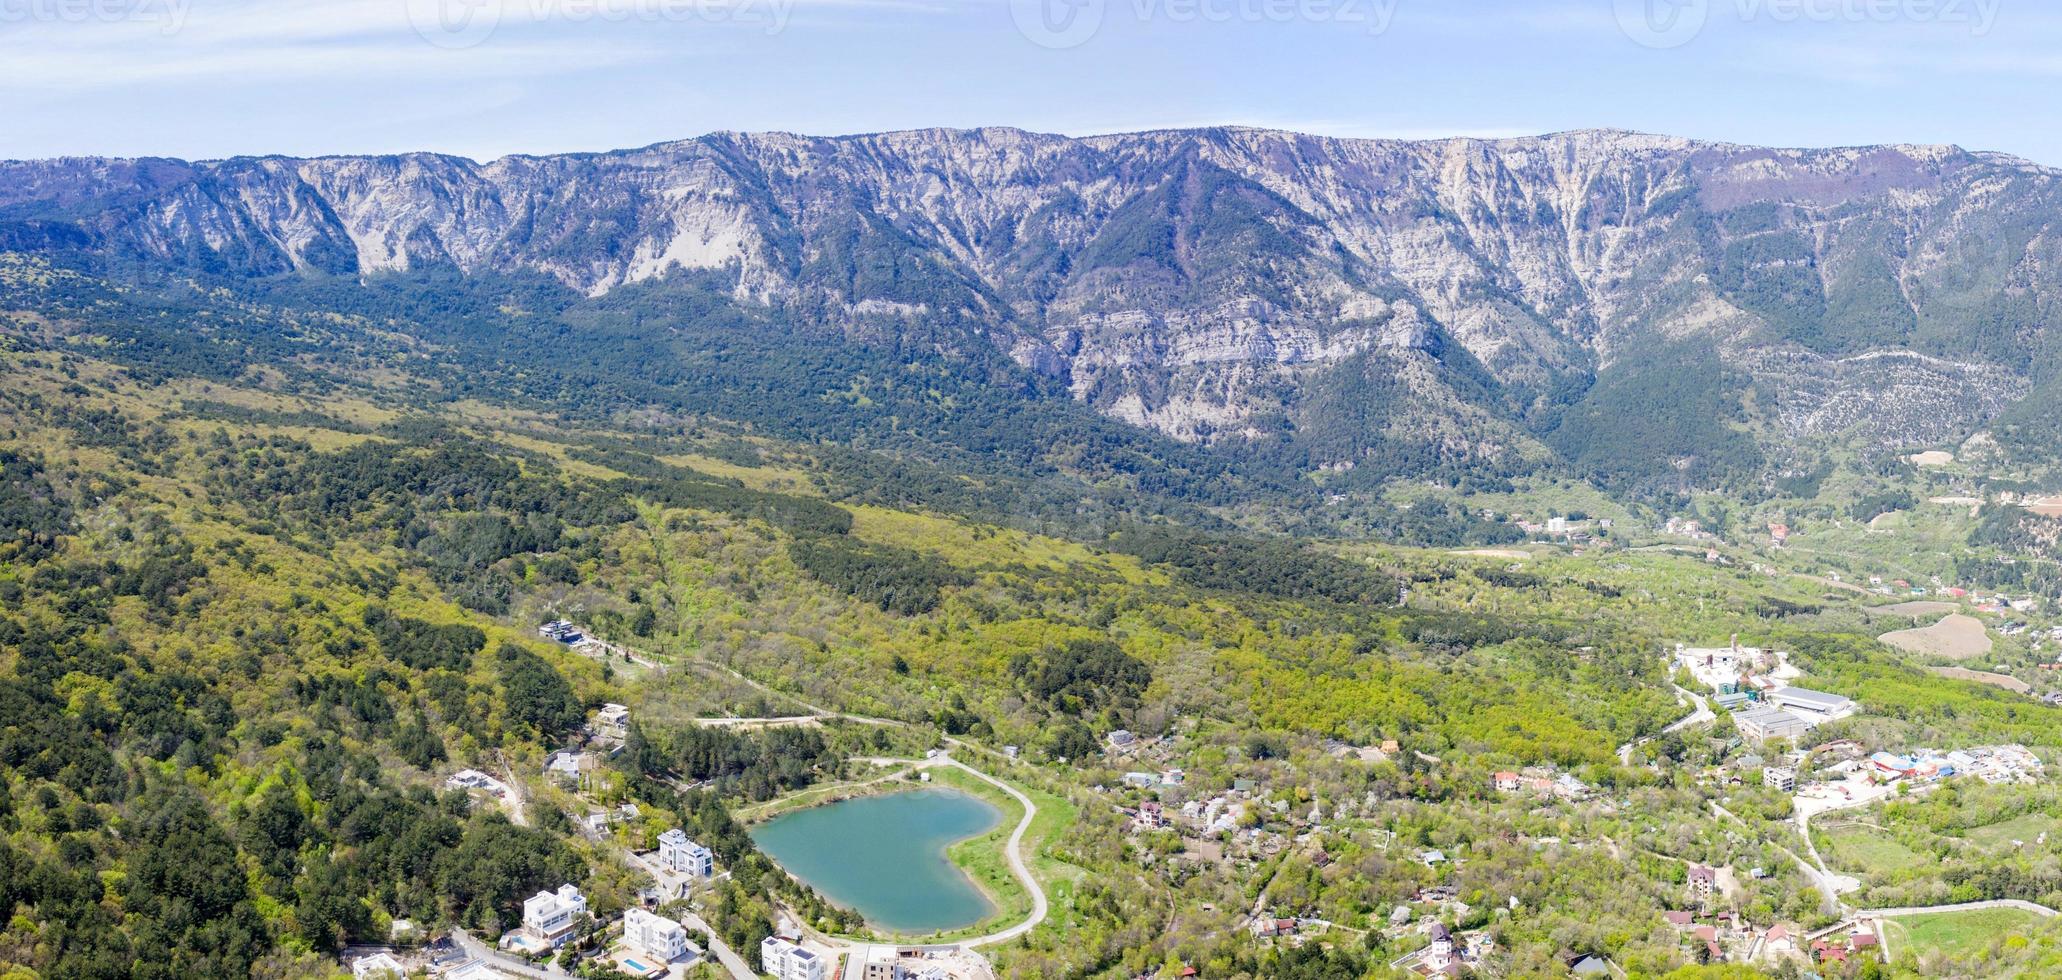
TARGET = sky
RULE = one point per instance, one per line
(484, 78)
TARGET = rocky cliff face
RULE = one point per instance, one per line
(1220, 283)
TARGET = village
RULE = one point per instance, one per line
(1245, 824)
(662, 935)
(1770, 718)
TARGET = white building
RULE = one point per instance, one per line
(1815, 705)
(656, 936)
(566, 765)
(612, 719)
(677, 853)
(1780, 777)
(550, 917)
(378, 966)
(786, 960)
(1763, 724)
(877, 963)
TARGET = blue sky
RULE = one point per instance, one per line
(208, 78)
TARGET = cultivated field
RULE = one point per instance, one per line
(1955, 637)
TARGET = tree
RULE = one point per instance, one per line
(534, 693)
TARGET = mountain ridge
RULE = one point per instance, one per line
(1460, 296)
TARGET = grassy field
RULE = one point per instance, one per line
(1869, 850)
(2025, 827)
(983, 858)
(888, 779)
(1957, 935)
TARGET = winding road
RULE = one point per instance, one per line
(1013, 851)
(1699, 716)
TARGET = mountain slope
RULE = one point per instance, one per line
(1337, 304)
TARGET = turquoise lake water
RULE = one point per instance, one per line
(884, 856)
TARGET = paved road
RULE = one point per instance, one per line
(739, 969)
(501, 961)
(1015, 853)
(1699, 716)
(1820, 878)
(2000, 903)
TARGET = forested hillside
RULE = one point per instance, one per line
(1343, 500)
(1274, 307)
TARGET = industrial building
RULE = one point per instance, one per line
(1815, 705)
(1762, 724)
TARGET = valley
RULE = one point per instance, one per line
(1309, 558)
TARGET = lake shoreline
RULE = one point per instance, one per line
(892, 860)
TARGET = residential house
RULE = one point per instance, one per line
(1441, 948)
(1702, 880)
(1271, 928)
(787, 960)
(565, 765)
(677, 853)
(1506, 782)
(378, 966)
(549, 918)
(1825, 952)
(1780, 777)
(1151, 816)
(655, 936)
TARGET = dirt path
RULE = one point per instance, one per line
(517, 803)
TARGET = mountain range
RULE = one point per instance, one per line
(1646, 311)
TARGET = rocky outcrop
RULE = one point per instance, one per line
(1206, 282)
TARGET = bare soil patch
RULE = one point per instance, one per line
(1955, 637)
(2005, 681)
